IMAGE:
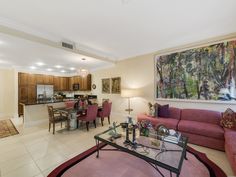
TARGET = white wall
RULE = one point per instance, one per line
(138, 72)
(7, 93)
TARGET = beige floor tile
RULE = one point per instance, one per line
(49, 161)
(28, 170)
(12, 154)
(13, 164)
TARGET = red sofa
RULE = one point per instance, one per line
(202, 127)
(230, 147)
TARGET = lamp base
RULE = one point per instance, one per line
(129, 110)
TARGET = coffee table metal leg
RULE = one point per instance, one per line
(97, 144)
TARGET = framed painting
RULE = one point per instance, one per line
(106, 85)
(115, 88)
(205, 73)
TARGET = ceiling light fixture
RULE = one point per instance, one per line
(58, 66)
(63, 71)
(49, 69)
(83, 59)
(40, 64)
(32, 67)
(72, 69)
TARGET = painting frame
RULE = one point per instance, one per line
(106, 85)
(116, 85)
(200, 98)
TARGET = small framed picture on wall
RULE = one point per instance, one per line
(106, 85)
(115, 85)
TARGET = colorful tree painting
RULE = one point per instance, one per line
(206, 73)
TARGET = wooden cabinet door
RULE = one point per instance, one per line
(47, 79)
(56, 82)
(86, 83)
(22, 78)
(32, 79)
(32, 97)
(70, 83)
(23, 94)
(64, 83)
(40, 79)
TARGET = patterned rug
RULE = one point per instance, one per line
(7, 128)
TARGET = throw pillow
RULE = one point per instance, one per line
(228, 119)
(163, 111)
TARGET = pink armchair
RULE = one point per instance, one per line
(105, 112)
(91, 115)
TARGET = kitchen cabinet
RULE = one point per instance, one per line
(70, 83)
(23, 94)
(47, 79)
(32, 95)
(23, 79)
(85, 83)
(32, 79)
(64, 83)
(40, 79)
(56, 81)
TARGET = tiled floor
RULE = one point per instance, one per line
(35, 152)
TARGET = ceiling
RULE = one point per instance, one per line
(116, 29)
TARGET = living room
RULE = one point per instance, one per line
(128, 53)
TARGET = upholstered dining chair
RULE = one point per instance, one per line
(56, 117)
(90, 115)
(105, 111)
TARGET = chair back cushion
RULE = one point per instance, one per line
(92, 111)
(69, 104)
(201, 115)
(106, 109)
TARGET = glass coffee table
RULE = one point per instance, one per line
(149, 149)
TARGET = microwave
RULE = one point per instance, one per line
(75, 87)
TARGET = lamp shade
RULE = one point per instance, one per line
(130, 93)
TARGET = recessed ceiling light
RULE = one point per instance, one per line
(32, 67)
(40, 64)
(1, 42)
(83, 58)
(58, 66)
(63, 71)
(72, 69)
(49, 69)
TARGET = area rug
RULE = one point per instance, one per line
(7, 128)
(121, 164)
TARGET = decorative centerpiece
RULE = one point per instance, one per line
(151, 109)
(162, 132)
(144, 126)
(113, 131)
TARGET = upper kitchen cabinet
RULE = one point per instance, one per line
(40, 78)
(23, 79)
(70, 83)
(47, 79)
(85, 83)
(64, 85)
(56, 81)
(32, 79)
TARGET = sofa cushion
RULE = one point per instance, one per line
(201, 128)
(230, 141)
(169, 123)
(175, 113)
(200, 115)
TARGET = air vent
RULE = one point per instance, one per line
(67, 45)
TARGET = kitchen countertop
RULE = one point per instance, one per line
(41, 102)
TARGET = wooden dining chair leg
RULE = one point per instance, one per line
(109, 119)
(87, 126)
(102, 121)
(94, 122)
(68, 124)
(53, 128)
(61, 124)
(49, 126)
